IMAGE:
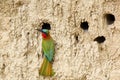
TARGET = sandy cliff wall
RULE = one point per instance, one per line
(87, 39)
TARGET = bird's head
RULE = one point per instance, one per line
(45, 32)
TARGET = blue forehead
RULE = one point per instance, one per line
(45, 30)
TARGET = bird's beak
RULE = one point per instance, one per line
(39, 30)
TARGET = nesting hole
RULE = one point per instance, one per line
(46, 26)
(100, 39)
(110, 18)
(84, 25)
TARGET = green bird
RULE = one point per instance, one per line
(48, 51)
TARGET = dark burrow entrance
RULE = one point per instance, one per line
(46, 26)
(100, 39)
(110, 18)
(84, 25)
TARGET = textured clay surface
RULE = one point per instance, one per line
(87, 48)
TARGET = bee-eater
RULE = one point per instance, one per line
(48, 51)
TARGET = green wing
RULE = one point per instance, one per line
(48, 48)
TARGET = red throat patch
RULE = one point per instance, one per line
(44, 35)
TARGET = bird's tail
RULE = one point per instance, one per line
(46, 68)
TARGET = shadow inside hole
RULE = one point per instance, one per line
(46, 26)
(100, 39)
(84, 25)
(110, 18)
